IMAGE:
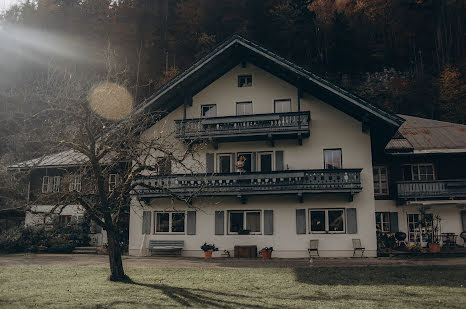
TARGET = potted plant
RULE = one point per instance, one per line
(266, 253)
(208, 249)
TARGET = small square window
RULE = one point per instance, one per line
(209, 110)
(244, 81)
(282, 106)
(332, 159)
(243, 108)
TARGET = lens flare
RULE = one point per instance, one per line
(111, 101)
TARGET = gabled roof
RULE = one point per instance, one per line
(237, 49)
(421, 136)
(64, 158)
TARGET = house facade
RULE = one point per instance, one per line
(284, 158)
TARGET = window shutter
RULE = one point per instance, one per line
(233, 163)
(268, 222)
(463, 219)
(279, 160)
(300, 221)
(393, 222)
(253, 161)
(191, 224)
(219, 222)
(351, 221)
(209, 164)
(146, 218)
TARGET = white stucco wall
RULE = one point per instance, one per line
(330, 128)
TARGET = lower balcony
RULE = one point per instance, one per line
(432, 189)
(296, 182)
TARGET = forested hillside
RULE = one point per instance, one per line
(407, 56)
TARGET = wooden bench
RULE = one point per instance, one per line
(165, 247)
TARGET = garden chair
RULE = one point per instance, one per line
(314, 247)
(358, 247)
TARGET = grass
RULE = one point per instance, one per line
(316, 287)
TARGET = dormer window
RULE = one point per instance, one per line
(245, 81)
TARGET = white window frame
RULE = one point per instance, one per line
(379, 168)
(46, 184)
(418, 165)
(259, 160)
(56, 184)
(244, 102)
(245, 76)
(170, 222)
(230, 155)
(68, 217)
(327, 231)
(112, 183)
(281, 100)
(244, 221)
(75, 183)
(341, 157)
(380, 215)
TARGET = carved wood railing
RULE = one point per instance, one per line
(255, 183)
(276, 125)
(445, 189)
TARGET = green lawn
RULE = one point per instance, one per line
(316, 287)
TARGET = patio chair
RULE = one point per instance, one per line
(314, 247)
(358, 247)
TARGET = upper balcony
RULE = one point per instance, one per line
(256, 183)
(245, 128)
(432, 190)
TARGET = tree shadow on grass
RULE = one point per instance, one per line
(190, 297)
(447, 276)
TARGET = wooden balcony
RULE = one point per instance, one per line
(431, 190)
(296, 182)
(243, 128)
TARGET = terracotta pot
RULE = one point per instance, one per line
(266, 254)
(434, 248)
(208, 254)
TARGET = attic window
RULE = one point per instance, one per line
(244, 81)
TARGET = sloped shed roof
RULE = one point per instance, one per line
(419, 135)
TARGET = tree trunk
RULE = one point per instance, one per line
(114, 255)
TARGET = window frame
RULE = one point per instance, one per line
(250, 153)
(341, 157)
(47, 184)
(418, 165)
(381, 214)
(160, 165)
(68, 220)
(56, 183)
(244, 212)
(281, 100)
(170, 222)
(327, 223)
(259, 160)
(244, 102)
(245, 84)
(110, 182)
(230, 155)
(208, 105)
(75, 183)
(379, 167)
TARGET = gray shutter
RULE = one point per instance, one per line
(279, 160)
(463, 219)
(253, 161)
(300, 221)
(233, 163)
(268, 222)
(209, 163)
(393, 222)
(351, 221)
(191, 223)
(219, 222)
(146, 216)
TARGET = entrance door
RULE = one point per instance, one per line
(420, 232)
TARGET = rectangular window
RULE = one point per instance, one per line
(244, 162)
(170, 222)
(380, 180)
(332, 158)
(56, 184)
(244, 220)
(418, 172)
(245, 81)
(224, 163)
(209, 110)
(282, 106)
(265, 162)
(164, 166)
(243, 108)
(75, 183)
(327, 220)
(64, 220)
(112, 181)
(382, 222)
(46, 184)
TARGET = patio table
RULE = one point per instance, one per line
(449, 240)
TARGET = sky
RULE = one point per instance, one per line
(4, 4)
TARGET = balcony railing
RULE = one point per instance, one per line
(255, 183)
(433, 189)
(248, 127)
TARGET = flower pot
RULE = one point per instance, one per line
(208, 254)
(434, 248)
(266, 254)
